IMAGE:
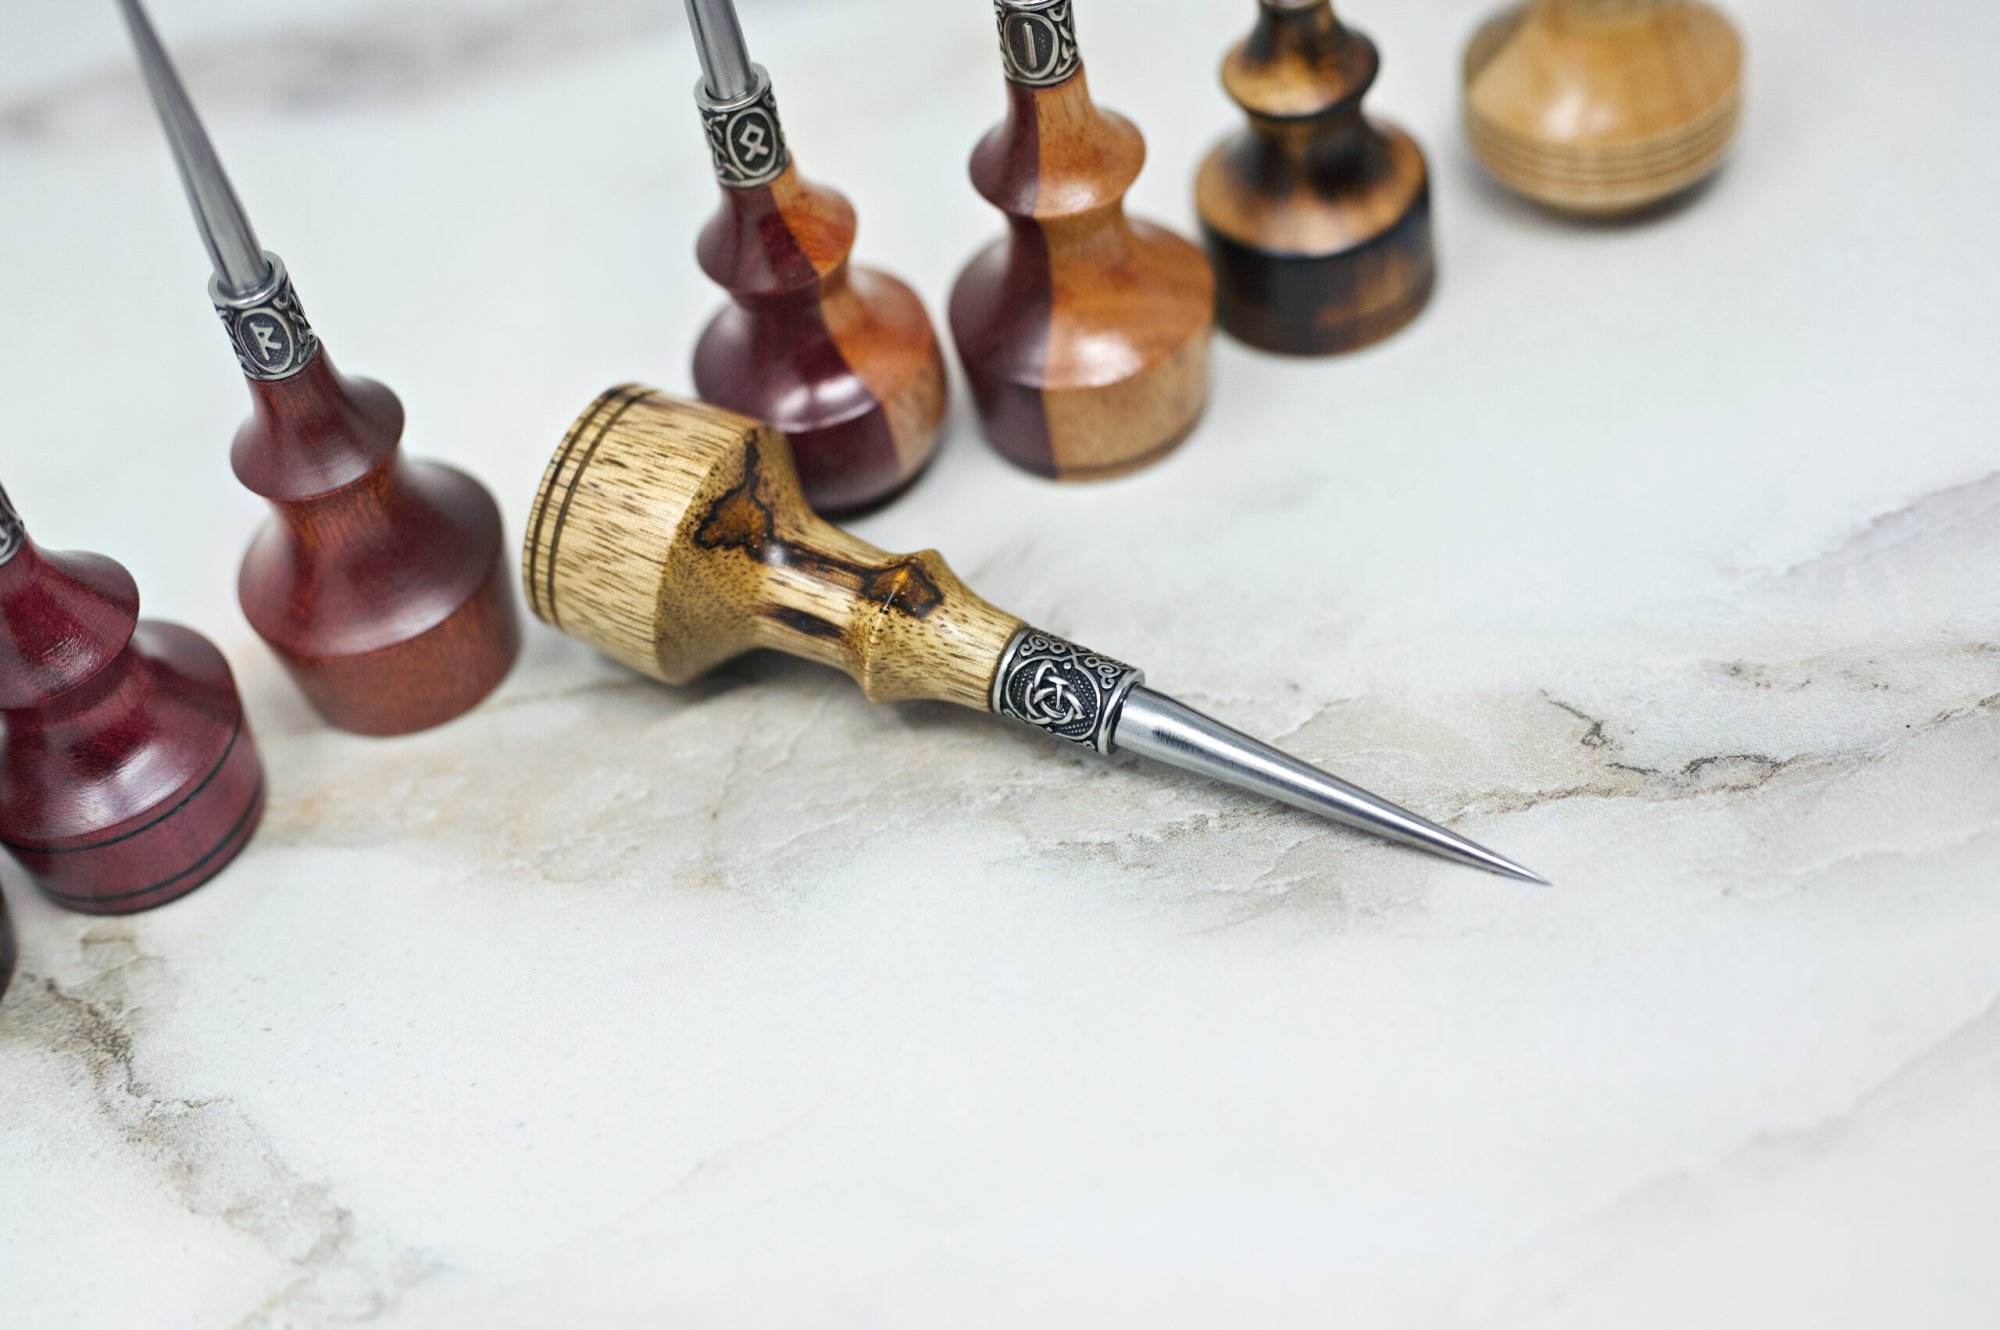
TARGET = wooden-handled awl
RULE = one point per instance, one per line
(839, 356)
(671, 536)
(379, 581)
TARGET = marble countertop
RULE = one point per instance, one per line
(1663, 558)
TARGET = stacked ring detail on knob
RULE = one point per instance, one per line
(128, 776)
(1603, 107)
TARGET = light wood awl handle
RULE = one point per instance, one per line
(671, 535)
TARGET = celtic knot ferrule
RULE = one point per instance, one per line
(12, 534)
(1037, 40)
(1059, 687)
(268, 326)
(744, 136)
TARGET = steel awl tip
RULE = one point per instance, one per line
(1091, 699)
(241, 267)
(1156, 726)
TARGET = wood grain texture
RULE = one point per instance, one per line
(843, 360)
(1316, 217)
(380, 582)
(1084, 334)
(672, 536)
(128, 775)
(1603, 107)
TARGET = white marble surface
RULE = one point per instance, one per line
(1664, 558)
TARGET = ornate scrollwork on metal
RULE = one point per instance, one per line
(12, 534)
(267, 328)
(1037, 40)
(744, 136)
(1062, 688)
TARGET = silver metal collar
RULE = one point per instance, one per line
(267, 326)
(1060, 687)
(13, 535)
(744, 136)
(1037, 40)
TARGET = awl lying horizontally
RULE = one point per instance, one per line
(670, 535)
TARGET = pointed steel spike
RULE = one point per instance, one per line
(718, 40)
(1158, 727)
(240, 265)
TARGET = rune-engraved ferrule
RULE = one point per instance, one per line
(744, 136)
(1059, 687)
(12, 534)
(268, 326)
(1037, 40)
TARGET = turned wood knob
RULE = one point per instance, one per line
(380, 582)
(1603, 107)
(842, 359)
(1084, 333)
(1318, 219)
(128, 776)
(672, 536)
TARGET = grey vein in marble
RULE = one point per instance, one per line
(383, 56)
(603, 1004)
(222, 1168)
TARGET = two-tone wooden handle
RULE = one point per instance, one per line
(1084, 332)
(672, 536)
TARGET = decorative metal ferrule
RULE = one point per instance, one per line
(1060, 687)
(267, 326)
(1037, 40)
(744, 136)
(13, 535)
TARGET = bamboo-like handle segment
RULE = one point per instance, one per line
(672, 536)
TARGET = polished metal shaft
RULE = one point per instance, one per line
(1156, 726)
(240, 265)
(726, 70)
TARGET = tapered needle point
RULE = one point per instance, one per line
(1156, 726)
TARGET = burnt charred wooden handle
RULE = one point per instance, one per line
(672, 536)
(1316, 215)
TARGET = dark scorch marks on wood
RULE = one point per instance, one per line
(742, 519)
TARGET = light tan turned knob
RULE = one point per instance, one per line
(1603, 107)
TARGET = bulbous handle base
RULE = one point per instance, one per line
(379, 582)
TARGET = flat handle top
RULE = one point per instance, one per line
(1604, 10)
(671, 535)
